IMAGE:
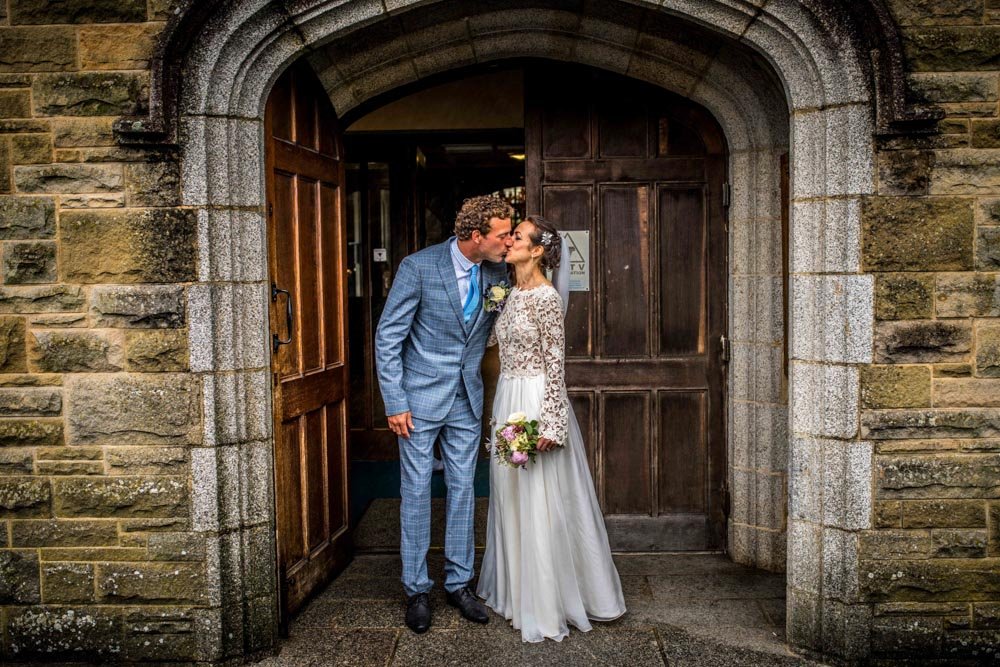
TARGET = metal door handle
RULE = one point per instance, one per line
(276, 341)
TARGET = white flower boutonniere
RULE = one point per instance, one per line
(495, 296)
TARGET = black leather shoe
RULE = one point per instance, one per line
(418, 613)
(471, 608)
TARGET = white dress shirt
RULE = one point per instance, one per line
(462, 269)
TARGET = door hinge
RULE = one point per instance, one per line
(724, 349)
(270, 208)
(725, 194)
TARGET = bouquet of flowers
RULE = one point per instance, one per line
(516, 441)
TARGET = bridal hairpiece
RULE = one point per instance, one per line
(546, 238)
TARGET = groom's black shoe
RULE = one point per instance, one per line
(471, 608)
(418, 613)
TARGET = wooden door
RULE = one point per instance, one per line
(307, 259)
(643, 172)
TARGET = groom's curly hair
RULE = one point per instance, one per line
(477, 212)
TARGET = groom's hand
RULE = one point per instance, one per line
(401, 424)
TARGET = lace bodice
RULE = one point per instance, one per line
(532, 338)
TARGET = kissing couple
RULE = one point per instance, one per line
(547, 564)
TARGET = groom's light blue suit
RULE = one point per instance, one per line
(428, 360)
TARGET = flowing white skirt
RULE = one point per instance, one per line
(547, 563)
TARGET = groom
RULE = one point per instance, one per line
(429, 346)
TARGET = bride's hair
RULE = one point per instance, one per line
(547, 236)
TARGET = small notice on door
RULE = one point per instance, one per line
(579, 260)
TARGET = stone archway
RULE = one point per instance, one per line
(778, 75)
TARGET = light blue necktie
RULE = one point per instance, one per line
(472, 300)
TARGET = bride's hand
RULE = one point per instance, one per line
(544, 444)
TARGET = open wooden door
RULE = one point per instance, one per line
(306, 259)
(642, 172)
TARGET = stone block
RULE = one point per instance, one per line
(91, 94)
(147, 245)
(952, 370)
(24, 402)
(139, 307)
(77, 351)
(60, 533)
(70, 454)
(958, 543)
(26, 262)
(904, 296)
(966, 171)
(928, 424)
(156, 636)
(19, 580)
(68, 583)
(177, 547)
(16, 461)
(902, 637)
(77, 11)
(836, 388)
(151, 583)
(988, 351)
(111, 200)
(963, 393)
(31, 432)
(147, 460)
(967, 295)
(943, 513)
(847, 488)
(156, 351)
(30, 149)
(933, 580)
(938, 12)
(24, 497)
(922, 341)
(42, 49)
(153, 184)
(64, 633)
(904, 172)
(921, 476)
(68, 178)
(895, 386)
(914, 234)
(69, 468)
(41, 299)
(82, 132)
(15, 104)
(27, 218)
(985, 133)
(134, 409)
(118, 47)
(123, 497)
(895, 544)
(887, 514)
(938, 87)
(13, 358)
(987, 248)
(993, 528)
(951, 49)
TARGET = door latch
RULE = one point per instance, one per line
(276, 340)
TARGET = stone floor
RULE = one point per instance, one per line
(685, 610)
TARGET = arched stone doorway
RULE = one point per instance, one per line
(778, 76)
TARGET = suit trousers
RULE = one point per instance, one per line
(460, 435)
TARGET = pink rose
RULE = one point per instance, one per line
(519, 458)
(508, 433)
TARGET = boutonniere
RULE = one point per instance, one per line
(495, 296)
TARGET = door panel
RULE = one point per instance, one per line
(307, 258)
(643, 343)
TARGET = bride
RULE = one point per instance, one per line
(547, 563)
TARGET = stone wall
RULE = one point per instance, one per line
(931, 400)
(97, 411)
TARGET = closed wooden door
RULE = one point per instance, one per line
(643, 172)
(306, 258)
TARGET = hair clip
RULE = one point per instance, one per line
(546, 238)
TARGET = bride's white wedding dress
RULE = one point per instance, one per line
(547, 563)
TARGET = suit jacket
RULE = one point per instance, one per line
(423, 346)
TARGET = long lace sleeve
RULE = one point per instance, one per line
(553, 417)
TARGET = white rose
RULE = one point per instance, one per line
(517, 418)
(496, 293)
